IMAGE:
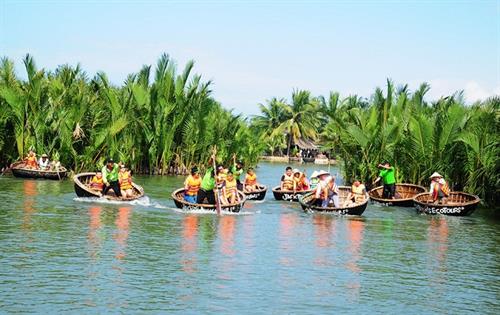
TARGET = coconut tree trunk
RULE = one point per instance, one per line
(289, 145)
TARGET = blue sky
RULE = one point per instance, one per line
(254, 50)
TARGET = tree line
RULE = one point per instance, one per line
(459, 140)
(159, 121)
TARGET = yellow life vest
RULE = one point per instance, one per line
(125, 180)
(250, 179)
(193, 185)
(96, 183)
(288, 182)
(231, 187)
(359, 195)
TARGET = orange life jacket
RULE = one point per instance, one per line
(31, 161)
(125, 180)
(250, 179)
(193, 185)
(302, 184)
(96, 183)
(288, 182)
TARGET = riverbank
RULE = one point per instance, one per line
(286, 159)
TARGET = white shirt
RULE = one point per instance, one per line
(43, 164)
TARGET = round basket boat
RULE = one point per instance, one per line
(308, 159)
(457, 204)
(258, 194)
(82, 188)
(178, 197)
(404, 192)
(288, 195)
(19, 170)
(307, 204)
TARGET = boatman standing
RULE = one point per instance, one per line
(388, 179)
(110, 177)
(237, 170)
(207, 185)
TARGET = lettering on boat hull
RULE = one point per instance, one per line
(252, 196)
(440, 210)
(290, 197)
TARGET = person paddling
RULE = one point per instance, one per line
(439, 188)
(388, 179)
(326, 191)
(207, 186)
(110, 178)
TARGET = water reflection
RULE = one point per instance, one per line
(437, 237)
(94, 239)
(122, 231)
(30, 192)
(324, 231)
(226, 229)
(355, 237)
(189, 243)
(287, 227)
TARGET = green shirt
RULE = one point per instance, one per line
(387, 176)
(110, 176)
(236, 172)
(208, 181)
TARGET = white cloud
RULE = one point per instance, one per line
(473, 90)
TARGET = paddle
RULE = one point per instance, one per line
(217, 199)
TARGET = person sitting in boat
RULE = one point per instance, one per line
(302, 183)
(237, 170)
(97, 183)
(43, 162)
(207, 186)
(287, 181)
(31, 160)
(125, 180)
(314, 181)
(251, 180)
(221, 176)
(327, 191)
(358, 194)
(388, 179)
(110, 178)
(192, 185)
(439, 188)
(230, 190)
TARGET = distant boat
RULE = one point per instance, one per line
(404, 195)
(258, 194)
(19, 170)
(457, 204)
(82, 189)
(288, 195)
(307, 204)
(178, 197)
(308, 159)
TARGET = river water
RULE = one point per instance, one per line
(60, 254)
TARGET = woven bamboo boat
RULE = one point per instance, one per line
(307, 202)
(82, 188)
(258, 194)
(19, 170)
(288, 195)
(404, 193)
(178, 197)
(457, 204)
(308, 159)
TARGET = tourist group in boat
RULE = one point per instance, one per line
(229, 186)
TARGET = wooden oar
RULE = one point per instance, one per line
(217, 198)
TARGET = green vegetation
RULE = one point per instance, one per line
(165, 122)
(159, 126)
(460, 141)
